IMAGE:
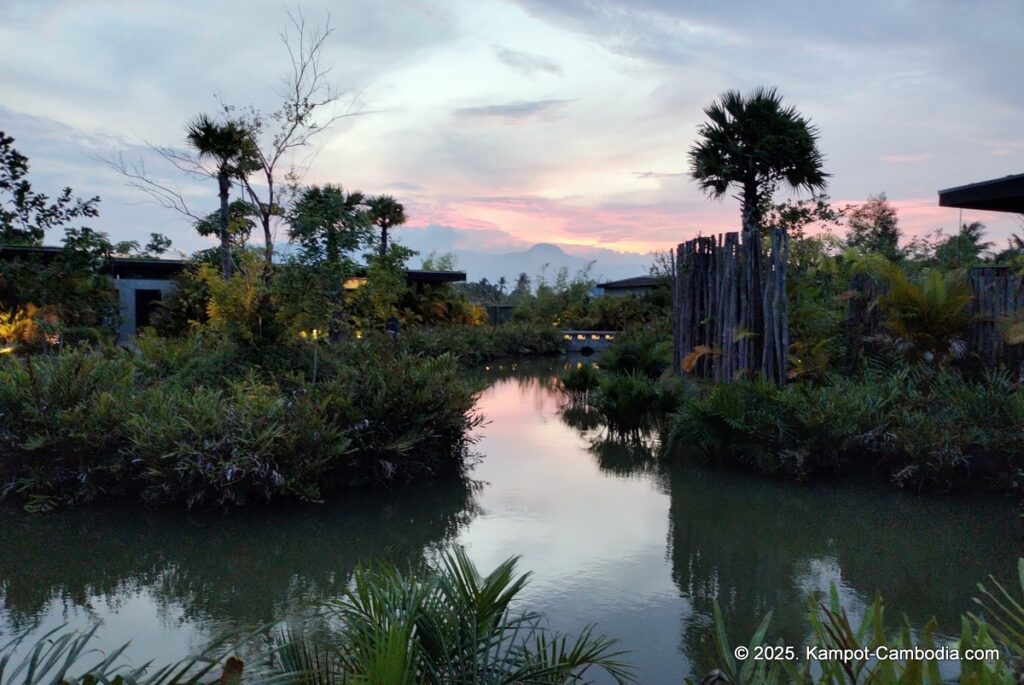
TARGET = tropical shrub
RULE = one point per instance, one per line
(452, 625)
(61, 419)
(919, 424)
(838, 651)
(643, 351)
(580, 380)
(929, 316)
(627, 401)
(475, 344)
(203, 424)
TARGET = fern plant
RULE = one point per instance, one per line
(929, 316)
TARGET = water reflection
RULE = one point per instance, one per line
(613, 535)
(210, 572)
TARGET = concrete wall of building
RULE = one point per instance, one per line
(126, 287)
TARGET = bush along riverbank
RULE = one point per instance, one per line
(186, 422)
(912, 424)
(479, 344)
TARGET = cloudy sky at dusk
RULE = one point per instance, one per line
(505, 123)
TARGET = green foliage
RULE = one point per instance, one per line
(580, 380)
(232, 148)
(61, 417)
(874, 227)
(475, 344)
(964, 249)
(185, 309)
(385, 212)
(212, 425)
(449, 624)
(454, 625)
(377, 300)
(929, 316)
(157, 245)
(753, 143)
(241, 223)
(240, 307)
(832, 633)
(26, 215)
(247, 442)
(628, 401)
(41, 299)
(921, 425)
(645, 352)
(329, 224)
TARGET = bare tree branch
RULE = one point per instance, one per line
(160, 193)
(310, 104)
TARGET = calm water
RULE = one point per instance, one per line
(611, 537)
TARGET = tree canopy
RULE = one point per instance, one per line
(753, 143)
(25, 214)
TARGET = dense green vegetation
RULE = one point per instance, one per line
(881, 378)
(915, 425)
(204, 422)
(262, 380)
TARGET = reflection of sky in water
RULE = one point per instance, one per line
(612, 538)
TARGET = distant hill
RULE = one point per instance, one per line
(608, 264)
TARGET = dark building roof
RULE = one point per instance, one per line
(418, 276)
(118, 267)
(635, 282)
(164, 269)
(997, 195)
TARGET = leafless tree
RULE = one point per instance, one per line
(310, 104)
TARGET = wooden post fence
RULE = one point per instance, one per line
(731, 307)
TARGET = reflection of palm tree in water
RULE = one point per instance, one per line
(760, 546)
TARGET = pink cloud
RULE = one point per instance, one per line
(619, 226)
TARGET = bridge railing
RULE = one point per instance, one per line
(589, 336)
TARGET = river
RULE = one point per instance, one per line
(612, 537)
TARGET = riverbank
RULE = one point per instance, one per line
(202, 421)
(183, 421)
(921, 425)
(614, 536)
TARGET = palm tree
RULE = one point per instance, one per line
(386, 212)
(230, 146)
(329, 222)
(754, 143)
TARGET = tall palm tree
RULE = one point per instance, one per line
(230, 146)
(753, 143)
(385, 212)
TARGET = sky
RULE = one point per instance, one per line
(503, 123)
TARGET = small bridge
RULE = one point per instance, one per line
(587, 342)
